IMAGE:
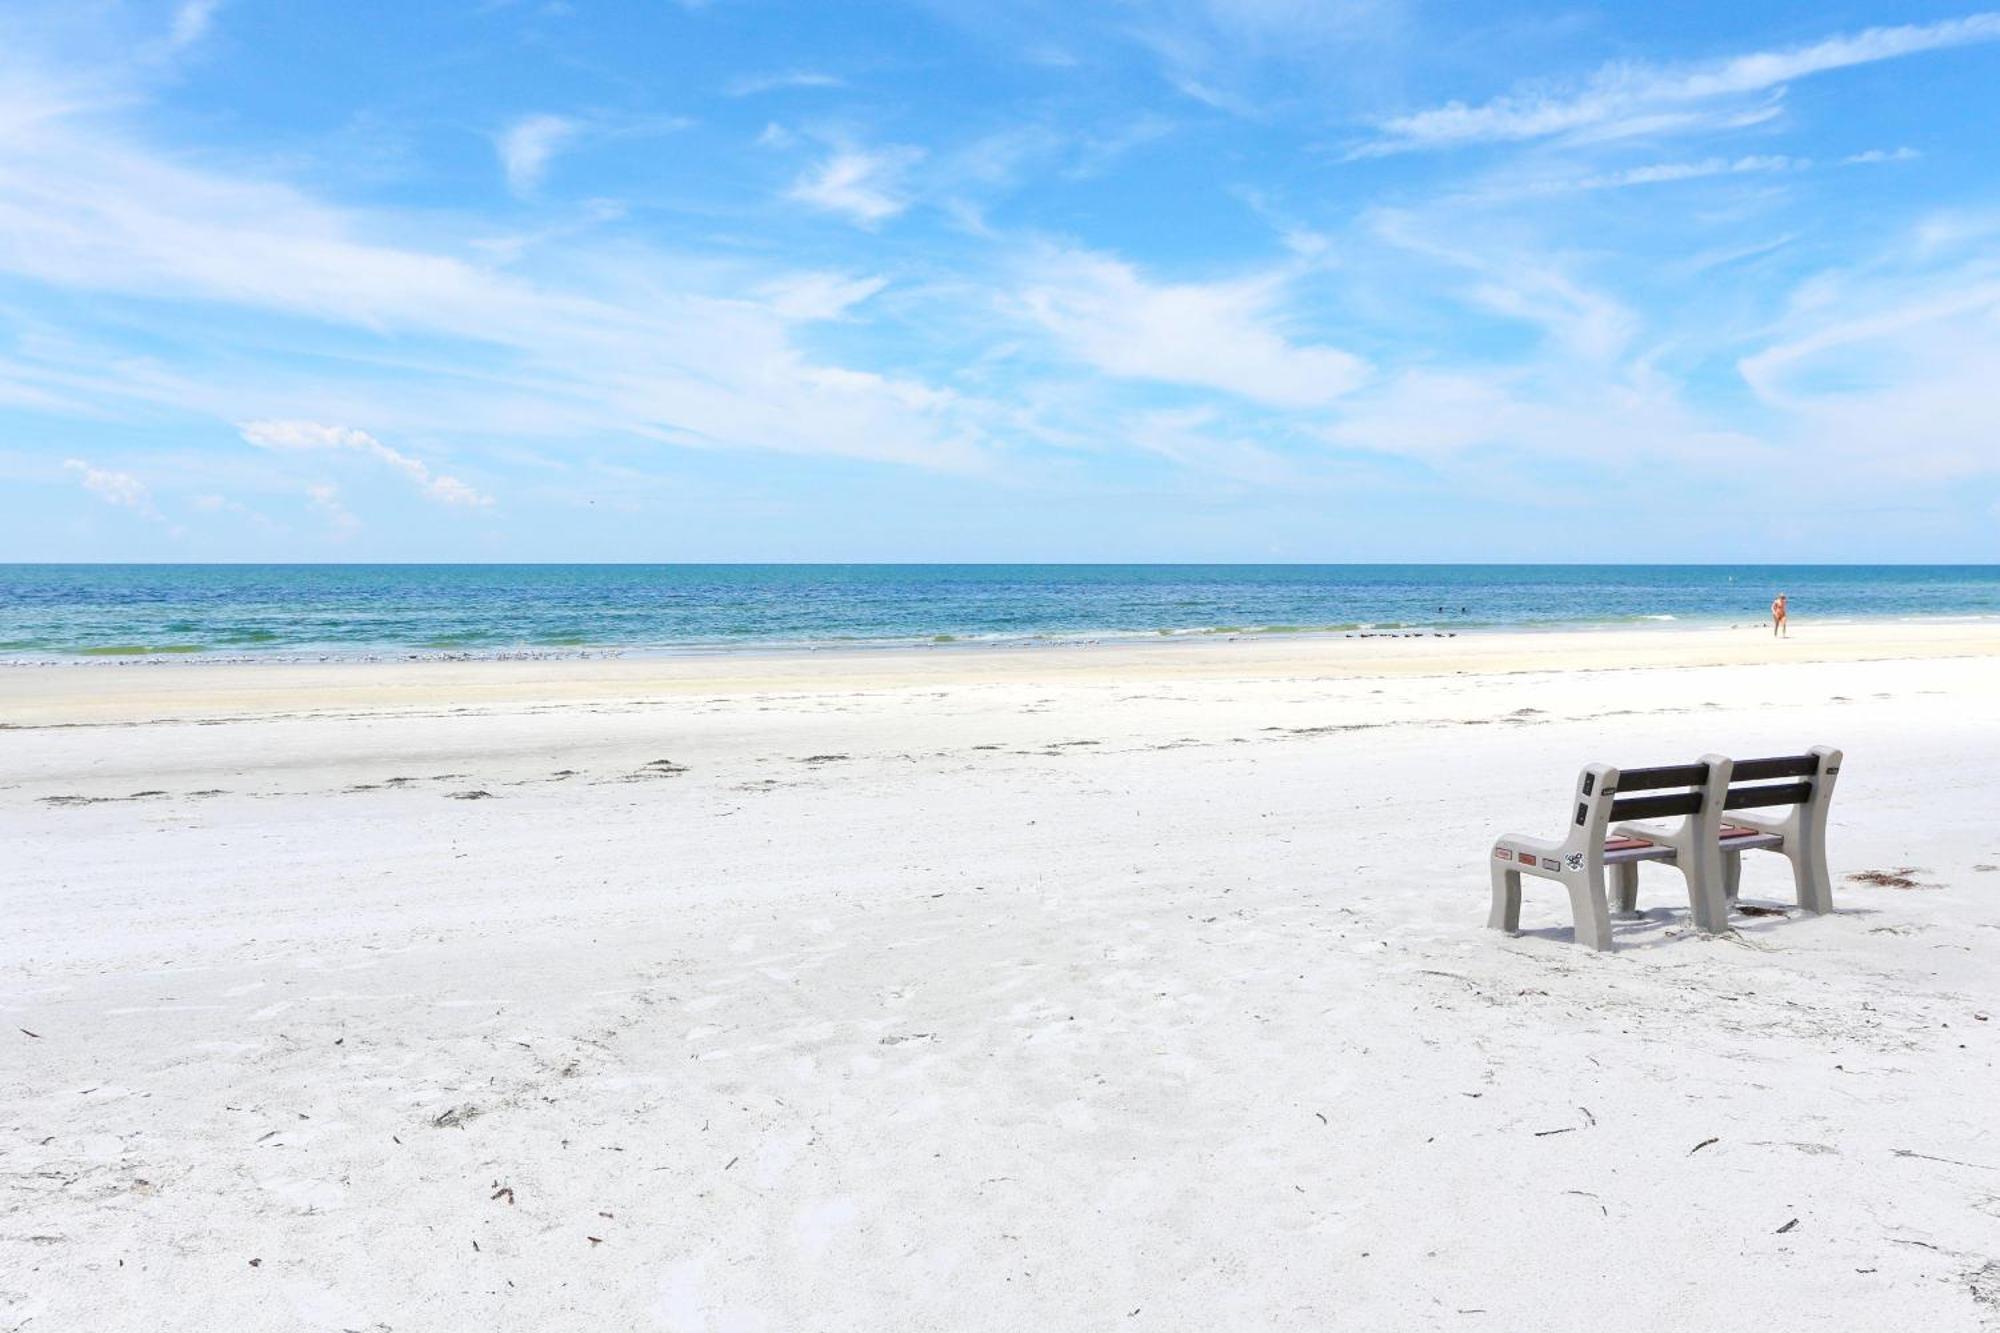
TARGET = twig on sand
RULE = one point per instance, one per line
(1951, 1161)
(1544, 1133)
(36, 1035)
(1703, 1144)
(1788, 1226)
(1586, 1194)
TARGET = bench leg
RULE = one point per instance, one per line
(1506, 914)
(1809, 872)
(1586, 900)
(1732, 874)
(1625, 885)
(1707, 900)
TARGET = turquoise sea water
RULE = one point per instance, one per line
(77, 611)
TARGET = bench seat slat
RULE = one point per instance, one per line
(1734, 838)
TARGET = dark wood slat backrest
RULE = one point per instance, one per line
(1653, 779)
(1783, 766)
(1755, 798)
(1656, 807)
(1694, 775)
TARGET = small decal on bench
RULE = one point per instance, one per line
(1502, 854)
(1549, 863)
(1589, 780)
(1575, 860)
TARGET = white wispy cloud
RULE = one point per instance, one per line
(300, 436)
(121, 489)
(867, 186)
(1514, 280)
(750, 85)
(526, 147)
(1877, 155)
(625, 340)
(1656, 173)
(1225, 335)
(1221, 53)
(222, 504)
(1541, 412)
(191, 22)
(325, 497)
(1886, 364)
(808, 297)
(1201, 440)
(1632, 97)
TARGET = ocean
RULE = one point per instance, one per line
(71, 612)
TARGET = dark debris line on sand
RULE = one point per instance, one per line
(1899, 878)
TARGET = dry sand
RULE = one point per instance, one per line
(1134, 988)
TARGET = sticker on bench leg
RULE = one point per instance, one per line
(1574, 860)
(1549, 863)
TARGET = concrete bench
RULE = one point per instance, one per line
(1615, 826)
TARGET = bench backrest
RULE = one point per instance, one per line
(1752, 786)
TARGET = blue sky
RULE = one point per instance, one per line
(929, 280)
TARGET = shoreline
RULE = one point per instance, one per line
(72, 693)
(400, 654)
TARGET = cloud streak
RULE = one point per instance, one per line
(750, 85)
(119, 489)
(528, 145)
(623, 340)
(1224, 336)
(1631, 97)
(325, 497)
(306, 436)
(191, 22)
(865, 186)
(1657, 173)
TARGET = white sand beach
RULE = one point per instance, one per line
(1116, 987)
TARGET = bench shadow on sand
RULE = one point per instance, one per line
(1657, 927)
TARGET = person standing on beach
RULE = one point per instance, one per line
(1778, 617)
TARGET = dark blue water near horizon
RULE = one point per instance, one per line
(71, 611)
